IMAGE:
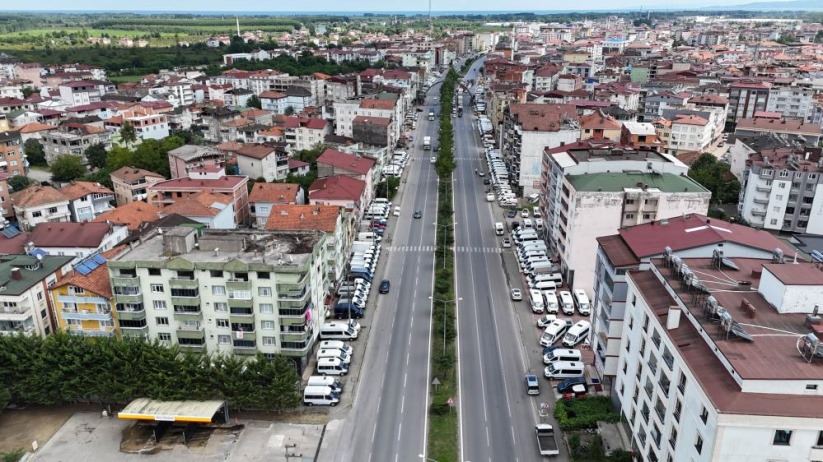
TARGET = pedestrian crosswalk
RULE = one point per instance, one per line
(429, 248)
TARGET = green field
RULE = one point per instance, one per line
(114, 33)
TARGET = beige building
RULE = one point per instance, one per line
(131, 184)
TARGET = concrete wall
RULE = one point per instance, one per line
(531, 155)
(778, 198)
(815, 225)
(789, 298)
(747, 438)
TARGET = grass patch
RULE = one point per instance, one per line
(126, 78)
(584, 413)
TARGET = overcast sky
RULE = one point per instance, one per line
(354, 6)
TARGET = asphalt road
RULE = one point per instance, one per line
(497, 418)
(387, 422)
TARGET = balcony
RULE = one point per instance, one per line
(130, 331)
(99, 315)
(125, 281)
(245, 345)
(191, 332)
(130, 311)
(294, 296)
(240, 302)
(183, 283)
(129, 297)
(764, 189)
(761, 201)
(15, 327)
(238, 285)
(192, 345)
(187, 312)
(102, 331)
(758, 213)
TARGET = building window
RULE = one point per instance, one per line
(159, 304)
(216, 273)
(221, 307)
(704, 416)
(267, 325)
(629, 201)
(629, 216)
(264, 291)
(682, 384)
(162, 321)
(819, 439)
(222, 322)
(698, 445)
(782, 437)
(218, 290)
(268, 341)
(223, 339)
(52, 209)
(157, 288)
(263, 275)
(154, 271)
(773, 221)
(266, 308)
(164, 337)
(811, 386)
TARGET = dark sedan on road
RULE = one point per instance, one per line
(385, 285)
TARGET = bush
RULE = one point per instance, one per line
(583, 413)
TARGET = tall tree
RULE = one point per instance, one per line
(19, 182)
(35, 153)
(254, 102)
(67, 168)
(716, 177)
(96, 155)
(128, 134)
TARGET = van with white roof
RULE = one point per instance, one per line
(582, 302)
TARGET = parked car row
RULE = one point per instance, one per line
(355, 292)
(499, 179)
(397, 164)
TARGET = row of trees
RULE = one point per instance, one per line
(65, 368)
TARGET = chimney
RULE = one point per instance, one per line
(16, 274)
(673, 319)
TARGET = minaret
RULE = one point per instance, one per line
(237, 18)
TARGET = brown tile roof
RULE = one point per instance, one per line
(77, 189)
(370, 103)
(781, 126)
(599, 121)
(201, 204)
(35, 196)
(283, 193)
(542, 117)
(35, 127)
(97, 281)
(69, 234)
(303, 218)
(382, 121)
(272, 95)
(230, 146)
(131, 215)
(129, 174)
(256, 151)
(346, 161)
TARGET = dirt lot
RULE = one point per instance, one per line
(18, 428)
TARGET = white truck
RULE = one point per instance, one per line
(546, 440)
(427, 143)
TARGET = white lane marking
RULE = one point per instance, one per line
(373, 433)
(399, 431)
(488, 440)
(403, 403)
(405, 377)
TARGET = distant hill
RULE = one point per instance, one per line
(812, 5)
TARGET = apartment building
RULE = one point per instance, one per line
(131, 184)
(24, 300)
(79, 92)
(793, 98)
(633, 248)
(593, 189)
(702, 375)
(87, 200)
(164, 193)
(305, 133)
(264, 196)
(808, 133)
(234, 292)
(147, 125)
(686, 133)
(527, 129)
(779, 190)
(190, 156)
(263, 161)
(83, 302)
(746, 97)
(73, 139)
(11, 154)
(39, 204)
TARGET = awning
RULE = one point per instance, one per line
(171, 411)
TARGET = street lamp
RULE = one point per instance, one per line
(446, 227)
(444, 302)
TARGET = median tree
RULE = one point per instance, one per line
(67, 168)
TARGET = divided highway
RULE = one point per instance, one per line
(387, 422)
(497, 418)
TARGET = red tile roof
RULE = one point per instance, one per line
(342, 160)
(692, 231)
(130, 174)
(338, 187)
(77, 189)
(36, 196)
(283, 193)
(256, 151)
(131, 215)
(202, 204)
(188, 184)
(303, 218)
(373, 103)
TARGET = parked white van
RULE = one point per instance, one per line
(322, 381)
(333, 353)
(331, 366)
(554, 332)
(562, 354)
(563, 370)
(337, 345)
(577, 333)
(320, 396)
(528, 224)
(582, 302)
(337, 331)
(548, 286)
(536, 301)
(499, 229)
(551, 300)
(566, 302)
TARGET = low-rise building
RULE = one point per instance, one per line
(235, 292)
(191, 156)
(77, 240)
(264, 196)
(131, 184)
(24, 298)
(263, 161)
(73, 139)
(339, 190)
(212, 210)
(165, 193)
(83, 302)
(11, 154)
(132, 215)
(39, 204)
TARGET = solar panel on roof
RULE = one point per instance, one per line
(85, 266)
(10, 232)
(99, 259)
(82, 270)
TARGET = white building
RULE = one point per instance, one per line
(233, 293)
(592, 189)
(40, 204)
(688, 133)
(344, 114)
(528, 129)
(793, 100)
(724, 372)
(77, 240)
(24, 305)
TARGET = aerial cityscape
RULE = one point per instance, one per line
(450, 232)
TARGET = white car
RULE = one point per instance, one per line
(396, 211)
(545, 320)
(525, 213)
(434, 159)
